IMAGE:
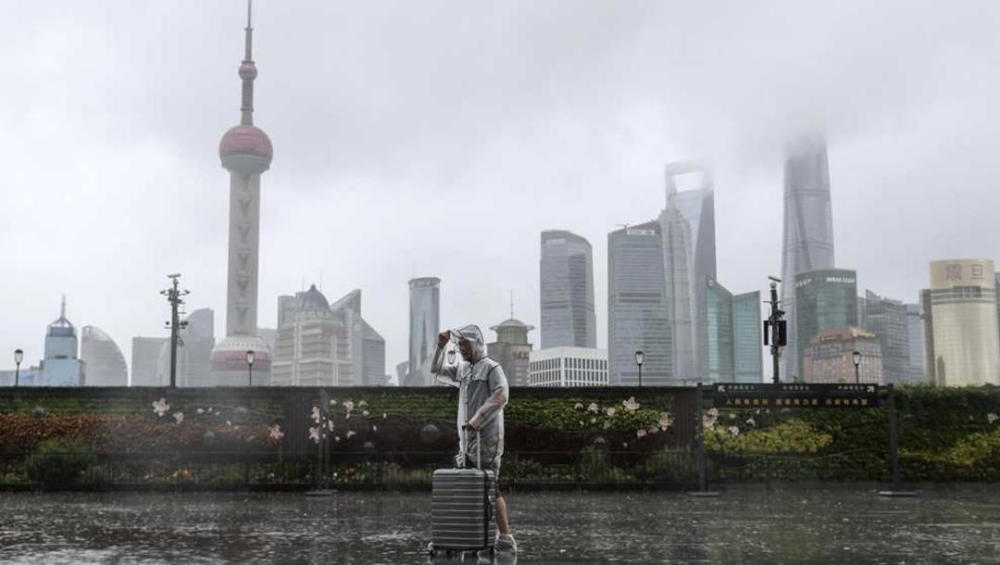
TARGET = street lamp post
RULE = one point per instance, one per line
(856, 356)
(18, 357)
(250, 356)
(640, 357)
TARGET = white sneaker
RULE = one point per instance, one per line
(505, 542)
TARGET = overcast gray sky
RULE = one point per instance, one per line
(439, 138)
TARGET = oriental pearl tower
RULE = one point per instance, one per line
(245, 151)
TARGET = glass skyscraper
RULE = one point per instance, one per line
(824, 300)
(567, 291)
(808, 230)
(718, 324)
(688, 227)
(638, 311)
(915, 335)
(747, 338)
(887, 319)
(425, 312)
(732, 334)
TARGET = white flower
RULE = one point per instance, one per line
(179, 416)
(200, 411)
(336, 438)
(577, 406)
(653, 429)
(374, 428)
(275, 432)
(593, 407)
(607, 424)
(734, 430)
(732, 416)
(581, 423)
(348, 405)
(384, 416)
(751, 422)
(630, 405)
(365, 413)
(665, 421)
(315, 414)
(351, 433)
(362, 403)
(333, 402)
(708, 419)
(624, 444)
(347, 416)
(593, 420)
(610, 411)
(314, 434)
(991, 417)
(329, 425)
(229, 423)
(161, 407)
(640, 433)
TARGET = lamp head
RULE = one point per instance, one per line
(18, 356)
(250, 356)
(640, 358)
(856, 356)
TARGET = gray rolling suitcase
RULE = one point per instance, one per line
(463, 504)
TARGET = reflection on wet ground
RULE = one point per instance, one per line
(838, 525)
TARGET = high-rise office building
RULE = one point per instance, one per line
(824, 300)
(313, 346)
(566, 274)
(747, 339)
(720, 350)
(915, 336)
(145, 355)
(569, 367)
(194, 354)
(102, 357)
(808, 229)
(887, 319)
(425, 324)
(511, 350)
(965, 348)
(688, 228)
(638, 311)
(61, 366)
(829, 357)
(246, 152)
(733, 341)
(366, 345)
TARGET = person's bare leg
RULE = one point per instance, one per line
(502, 523)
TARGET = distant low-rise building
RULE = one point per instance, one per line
(512, 350)
(145, 355)
(312, 346)
(829, 357)
(568, 367)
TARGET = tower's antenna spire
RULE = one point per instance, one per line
(62, 309)
(512, 304)
(248, 72)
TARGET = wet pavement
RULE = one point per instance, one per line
(841, 525)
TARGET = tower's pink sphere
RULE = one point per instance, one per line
(246, 140)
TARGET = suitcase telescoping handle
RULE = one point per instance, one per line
(479, 445)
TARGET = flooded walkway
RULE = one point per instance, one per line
(959, 525)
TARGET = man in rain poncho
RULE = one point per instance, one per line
(483, 392)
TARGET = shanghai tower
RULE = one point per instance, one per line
(808, 230)
(245, 151)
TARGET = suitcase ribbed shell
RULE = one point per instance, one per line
(462, 509)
